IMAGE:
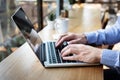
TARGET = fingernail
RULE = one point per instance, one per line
(63, 58)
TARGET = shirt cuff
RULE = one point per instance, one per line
(110, 58)
(90, 38)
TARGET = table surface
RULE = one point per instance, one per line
(22, 64)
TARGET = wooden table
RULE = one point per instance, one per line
(24, 65)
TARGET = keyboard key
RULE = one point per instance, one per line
(49, 54)
(52, 52)
(55, 55)
(59, 58)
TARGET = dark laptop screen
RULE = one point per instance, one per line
(27, 29)
(22, 21)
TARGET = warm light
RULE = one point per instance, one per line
(16, 30)
(36, 26)
(2, 48)
(76, 6)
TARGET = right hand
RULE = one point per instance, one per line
(72, 38)
(82, 52)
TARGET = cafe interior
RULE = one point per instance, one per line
(39, 11)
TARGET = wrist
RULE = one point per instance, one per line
(99, 55)
(84, 39)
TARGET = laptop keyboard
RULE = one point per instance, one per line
(55, 55)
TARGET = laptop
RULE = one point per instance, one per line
(47, 53)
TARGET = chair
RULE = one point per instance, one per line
(104, 19)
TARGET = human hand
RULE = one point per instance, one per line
(72, 38)
(82, 52)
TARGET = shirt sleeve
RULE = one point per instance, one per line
(109, 35)
(105, 36)
(111, 58)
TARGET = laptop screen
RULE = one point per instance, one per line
(27, 29)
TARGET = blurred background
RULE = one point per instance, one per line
(37, 11)
(10, 37)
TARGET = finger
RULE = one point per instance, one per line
(62, 35)
(74, 41)
(60, 40)
(70, 49)
(75, 57)
(65, 38)
(65, 51)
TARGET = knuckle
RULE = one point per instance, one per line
(70, 50)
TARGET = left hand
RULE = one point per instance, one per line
(72, 38)
(82, 52)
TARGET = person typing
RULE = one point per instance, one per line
(86, 53)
